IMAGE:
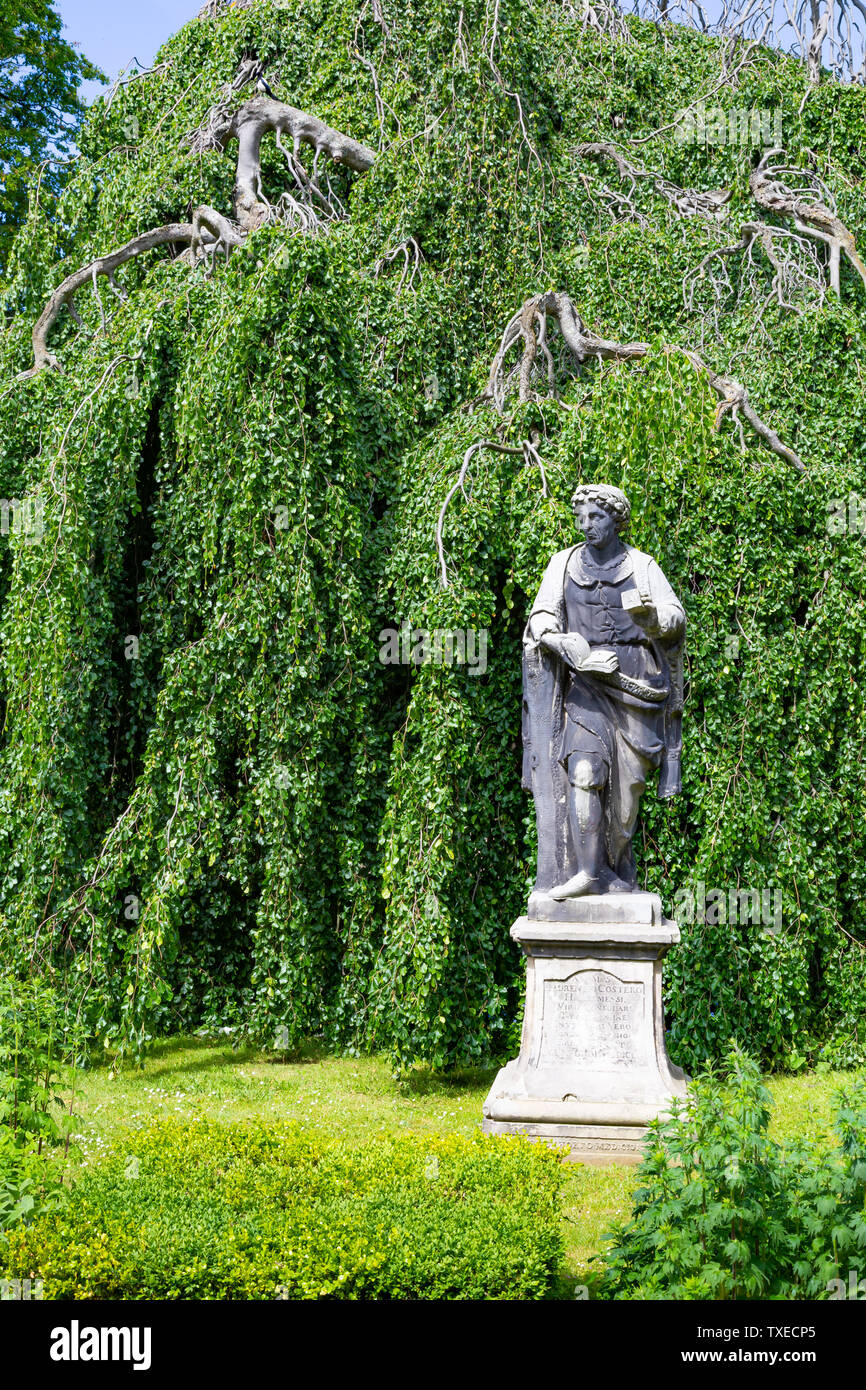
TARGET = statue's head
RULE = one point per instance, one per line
(601, 511)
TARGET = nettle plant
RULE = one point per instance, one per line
(37, 1037)
(722, 1211)
(322, 271)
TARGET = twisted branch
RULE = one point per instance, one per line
(249, 125)
(797, 274)
(172, 232)
(688, 202)
(530, 325)
(411, 253)
(811, 208)
(210, 232)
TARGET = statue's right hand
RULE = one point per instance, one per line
(574, 649)
(601, 661)
(556, 642)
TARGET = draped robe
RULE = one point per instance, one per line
(567, 715)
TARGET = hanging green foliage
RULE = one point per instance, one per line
(226, 800)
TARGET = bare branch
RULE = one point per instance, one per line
(811, 208)
(172, 232)
(412, 256)
(529, 324)
(531, 457)
(249, 124)
(122, 80)
(797, 272)
(734, 400)
(602, 17)
(688, 202)
(210, 232)
(213, 233)
(820, 33)
(532, 320)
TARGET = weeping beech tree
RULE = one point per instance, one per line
(340, 303)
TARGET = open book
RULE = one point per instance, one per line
(582, 657)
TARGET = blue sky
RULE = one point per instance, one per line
(113, 32)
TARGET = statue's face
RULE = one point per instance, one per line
(598, 526)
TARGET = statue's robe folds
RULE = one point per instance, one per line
(567, 715)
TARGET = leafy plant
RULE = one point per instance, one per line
(724, 1212)
(34, 1138)
(217, 805)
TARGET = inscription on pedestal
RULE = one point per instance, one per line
(593, 1019)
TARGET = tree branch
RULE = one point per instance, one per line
(172, 232)
(210, 232)
(530, 325)
(688, 202)
(810, 214)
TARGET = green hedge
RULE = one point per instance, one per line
(255, 1211)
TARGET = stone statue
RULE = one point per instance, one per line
(603, 697)
(602, 709)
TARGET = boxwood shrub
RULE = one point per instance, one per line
(264, 1211)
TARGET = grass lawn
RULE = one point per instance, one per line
(358, 1098)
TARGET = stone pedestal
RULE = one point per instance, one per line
(593, 1069)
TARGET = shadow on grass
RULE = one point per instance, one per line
(191, 1053)
(424, 1081)
(173, 1054)
(169, 1055)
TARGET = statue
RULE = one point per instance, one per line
(602, 710)
(603, 698)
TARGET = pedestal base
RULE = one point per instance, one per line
(593, 1069)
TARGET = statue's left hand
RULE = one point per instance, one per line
(642, 610)
(649, 619)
